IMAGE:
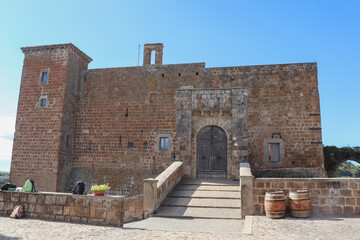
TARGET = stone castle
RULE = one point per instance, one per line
(121, 125)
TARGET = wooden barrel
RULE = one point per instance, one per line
(300, 203)
(275, 204)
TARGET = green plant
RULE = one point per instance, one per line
(102, 187)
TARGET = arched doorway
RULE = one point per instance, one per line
(211, 157)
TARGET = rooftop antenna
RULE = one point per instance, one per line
(139, 55)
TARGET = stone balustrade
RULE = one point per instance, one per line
(155, 190)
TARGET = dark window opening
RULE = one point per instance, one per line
(179, 74)
(162, 75)
(197, 73)
(42, 102)
(68, 141)
(164, 143)
(127, 113)
(145, 144)
(84, 79)
(44, 77)
(274, 152)
(120, 141)
(130, 145)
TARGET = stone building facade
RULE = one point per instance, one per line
(121, 125)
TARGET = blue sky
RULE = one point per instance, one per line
(220, 33)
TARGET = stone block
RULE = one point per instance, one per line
(100, 213)
(66, 210)
(96, 203)
(32, 198)
(78, 202)
(356, 193)
(50, 200)
(57, 210)
(113, 214)
(84, 220)
(70, 201)
(23, 197)
(41, 199)
(350, 201)
(92, 212)
(1, 197)
(60, 218)
(2, 205)
(60, 200)
(337, 210)
(349, 210)
(345, 193)
(321, 185)
(326, 210)
(75, 219)
(341, 201)
(15, 197)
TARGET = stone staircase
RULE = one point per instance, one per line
(203, 198)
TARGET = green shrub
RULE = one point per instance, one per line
(102, 187)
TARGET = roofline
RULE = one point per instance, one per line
(71, 46)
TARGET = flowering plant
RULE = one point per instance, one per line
(102, 187)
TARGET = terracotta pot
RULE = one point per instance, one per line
(99, 193)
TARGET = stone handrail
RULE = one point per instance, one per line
(156, 190)
(246, 190)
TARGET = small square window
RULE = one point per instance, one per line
(44, 76)
(274, 152)
(130, 145)
(42, 102)
(164, 143)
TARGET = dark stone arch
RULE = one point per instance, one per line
(335, 156)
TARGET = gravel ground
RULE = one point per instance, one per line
(263, 228)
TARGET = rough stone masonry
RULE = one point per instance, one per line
(121, 125)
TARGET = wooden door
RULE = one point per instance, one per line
(211, 150)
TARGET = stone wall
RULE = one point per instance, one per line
(114, 116)
(133, 208)
(156, 189)
(198, 108)
(329, 196)
(99, 210)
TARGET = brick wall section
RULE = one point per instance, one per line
(329, 196)
(99, 210)
(133, 208)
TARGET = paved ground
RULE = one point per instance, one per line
(314, 228)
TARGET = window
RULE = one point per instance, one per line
(274, 152)
(164, 143)
(42, 102)
(130, 145)
(44, 76)
(68, 141)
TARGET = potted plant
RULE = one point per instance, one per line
(99, 190)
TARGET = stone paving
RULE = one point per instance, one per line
(314, 228)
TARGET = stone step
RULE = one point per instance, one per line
(204, 194)
(196, 212)
(230, 188)
(202, 202)
(209, 181)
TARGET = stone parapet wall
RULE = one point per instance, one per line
(99, 210)
(156, 190)
(329, 196)
(133, 208)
